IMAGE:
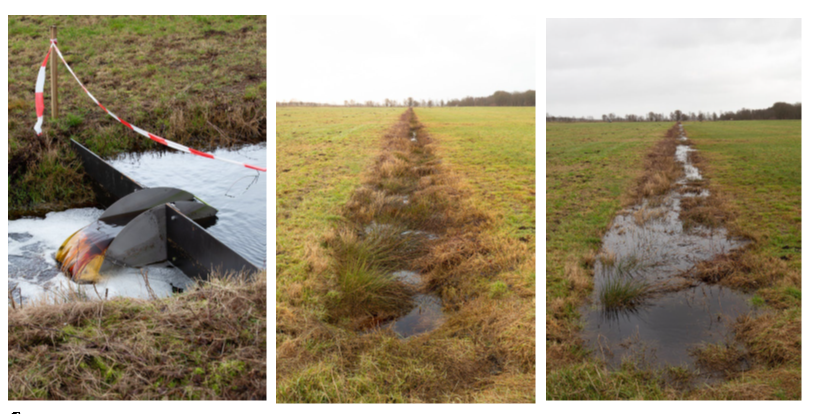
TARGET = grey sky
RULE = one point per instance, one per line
(331, 59)
(632, 66)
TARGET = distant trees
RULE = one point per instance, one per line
(499, 98)
(780, 110)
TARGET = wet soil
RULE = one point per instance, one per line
(649, 244)
(427, 307)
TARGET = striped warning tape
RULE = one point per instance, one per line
(39, 101)
(162, 141)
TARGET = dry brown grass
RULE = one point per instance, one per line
(660, 170)
(483, 342)
(773, 339)
(742, 269)
(207, 343)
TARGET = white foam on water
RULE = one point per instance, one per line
(52, 230)
(34, 242)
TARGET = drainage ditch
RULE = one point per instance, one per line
(393, 219)
(642, 310)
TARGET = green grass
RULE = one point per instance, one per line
(492, 150)
(181, 77)
(485, 350)
(589, 168)
(755, 167)
(622, 293)
(759, 165)
(321, 154)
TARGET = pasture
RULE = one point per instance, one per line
(196, 80)
(753, 172)
(468, 178)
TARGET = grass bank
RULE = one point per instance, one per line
(485, 349)
(592, 171)
(196, 80)
(757, 167)
(206, 343)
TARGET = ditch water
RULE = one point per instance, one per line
(427, 313)
(648, 244)
(239, 195)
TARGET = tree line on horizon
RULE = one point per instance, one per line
(780, 110)
(499, 98)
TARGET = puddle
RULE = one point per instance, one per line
(648, 244)
(667, 327)
(32, 242)
(427, 313)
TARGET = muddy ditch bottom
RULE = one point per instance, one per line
(645, 251)
(427, 312)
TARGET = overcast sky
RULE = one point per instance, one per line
(331, 59)
(631, 66)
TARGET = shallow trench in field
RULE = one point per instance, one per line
(427, 308)
(649, 244)
(237, 193)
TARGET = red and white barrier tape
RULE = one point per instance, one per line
(162, 141)
(39, 101)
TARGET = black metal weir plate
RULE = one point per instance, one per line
(143, 226)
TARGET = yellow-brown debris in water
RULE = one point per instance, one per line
(82, 254)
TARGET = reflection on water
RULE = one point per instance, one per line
(648, 244)
(426, 316)
(238, 193)
(668, 326)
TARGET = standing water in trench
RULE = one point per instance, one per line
(241, 225)
(426, 313)
(645, 250)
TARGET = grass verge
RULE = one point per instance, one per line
(206, 343)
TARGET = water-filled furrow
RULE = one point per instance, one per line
(427, 311)
(640, 306)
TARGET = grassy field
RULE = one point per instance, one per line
(197, 80)
(320, 158)
(492, 150)
(754, 167)
(482, 265)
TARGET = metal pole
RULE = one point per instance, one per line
(54, 90)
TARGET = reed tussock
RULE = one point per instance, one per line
(409, 213)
